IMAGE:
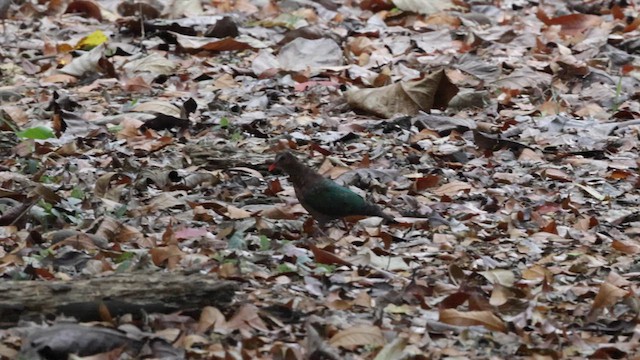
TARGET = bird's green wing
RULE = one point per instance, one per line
(334, 200)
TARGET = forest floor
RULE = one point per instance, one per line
(502, 135)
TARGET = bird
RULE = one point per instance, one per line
(323, 198)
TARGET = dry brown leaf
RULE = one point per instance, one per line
(193, 43)
(237, 213)
(245, 319)
(359, 335)
(393, 350)
(58, 78)
(530, 155)
(536, 272)
(572, 24)
(210, 318)
(591, 191)
(500, 295)
(136, 84)
(278, 212)
(86, 7)
(157, 106)
(325, 257)
(608, 295)
(500, 276)
(626, 247)
(102, 184)
(556, 174)
(169, 254)
(407, 97)
(452, 189)
(473, 318)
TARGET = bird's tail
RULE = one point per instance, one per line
(374, 210)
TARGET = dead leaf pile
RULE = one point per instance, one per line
(135, 138)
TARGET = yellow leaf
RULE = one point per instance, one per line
(92, 40)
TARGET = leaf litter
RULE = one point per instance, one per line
(503, 136)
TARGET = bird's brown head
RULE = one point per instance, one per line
(283, 161)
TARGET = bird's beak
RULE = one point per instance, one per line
(272, 167)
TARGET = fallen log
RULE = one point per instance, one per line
(115, 295)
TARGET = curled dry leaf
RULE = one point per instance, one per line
(500, 295)
(556, 174)
(359, 335)
(608, 295)
(87, 7)
(406, 97)
(452, 189)
(324, 257)
(87, 63)
(626, 247)
(237, 213)
(591, 191)
(572, 24)
(168, 256)
(278, 212)
(390, 263)
(472, 318)
(500, 276)
(157, 106)
(393, 350)
(193, 43)
(536, 272)
(245, 319)
(211, 319)
(247, 170)
(305, 54)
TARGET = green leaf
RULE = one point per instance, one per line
(45, 205)
(121, 211)
(124, 266)
(265, 243)
(36, 133)
(77, 193)
(45, 252)
(224, 122)
(325, 268)
(125, 256)
(236, 136)
(284, 268)
(46, 179)
(115, 129)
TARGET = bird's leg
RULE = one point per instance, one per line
(314, 229)
(346, 226)
(320, 227)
